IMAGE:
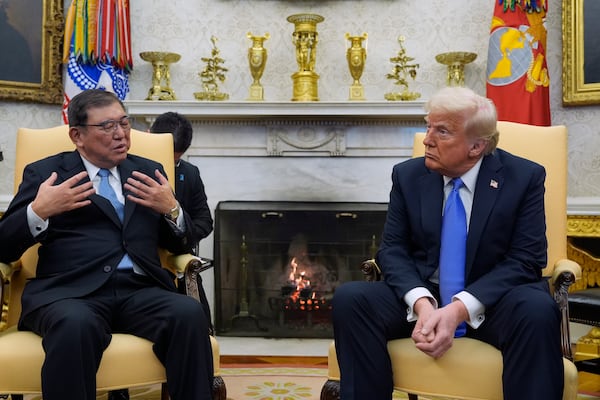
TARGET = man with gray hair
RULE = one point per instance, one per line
(462, 253)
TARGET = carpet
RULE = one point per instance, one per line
(273, 383)
(268, 382)
(260, 382)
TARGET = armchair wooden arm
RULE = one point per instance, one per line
(6, 272)
(370, 270)
(565, 273)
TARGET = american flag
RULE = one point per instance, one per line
(97, 51)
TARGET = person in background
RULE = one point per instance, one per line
(501, 297)
(189, 188)
(100, 215)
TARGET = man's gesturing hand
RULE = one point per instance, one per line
(53, 199)
(149, 193)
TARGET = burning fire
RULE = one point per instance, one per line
(298, 292)
(300, 281)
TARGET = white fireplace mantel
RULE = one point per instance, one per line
(244, 110)
(292, 129)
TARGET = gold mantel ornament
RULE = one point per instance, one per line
(257, 58)
(211, 75)
(161, 77)
(403, 69)
(305, 38)
(356, 56)
(456, 61)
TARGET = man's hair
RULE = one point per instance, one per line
(477, 112)
(91, 98)
(178, 126)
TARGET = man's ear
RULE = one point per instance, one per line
(75, 135)
(477, 148)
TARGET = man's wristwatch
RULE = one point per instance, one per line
(173, 214)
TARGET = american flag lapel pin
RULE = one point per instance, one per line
(494, 184)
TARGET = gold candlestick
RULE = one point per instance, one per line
(403, 69)
(456, 61)
(257, 58)
(211, 75)
(356, 56)
(305, 38)
(160, 64)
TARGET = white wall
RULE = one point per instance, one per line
(430, 27)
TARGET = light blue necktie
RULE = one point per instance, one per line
(106, 191)
(453, 249)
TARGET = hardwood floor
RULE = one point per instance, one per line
(305, 361)
(589, 383)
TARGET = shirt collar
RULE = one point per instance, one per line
(469, 178)
(92, 170)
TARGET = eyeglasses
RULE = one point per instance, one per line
(110, 125)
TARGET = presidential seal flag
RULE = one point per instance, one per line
(97, 48)
(517, 74)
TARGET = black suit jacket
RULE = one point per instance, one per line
(81, 248)
(190, 193)
(506, 244)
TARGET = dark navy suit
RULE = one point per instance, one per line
(77, 260)
(189, 190)
(506, 252)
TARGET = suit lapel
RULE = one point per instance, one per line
(489, 184)
(431, 198)
(72, 165)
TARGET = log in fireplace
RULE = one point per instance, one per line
(277, 264)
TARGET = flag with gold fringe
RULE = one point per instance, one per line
(517, 73)
(97, 48)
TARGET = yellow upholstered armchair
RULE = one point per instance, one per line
(472, 369)
(128, 361)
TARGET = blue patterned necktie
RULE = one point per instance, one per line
(453, 249)
(106, 191)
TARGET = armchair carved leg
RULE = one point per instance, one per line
(331, 390)
(219, 390)
(193, 288)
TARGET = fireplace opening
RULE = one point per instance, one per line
(277, 264)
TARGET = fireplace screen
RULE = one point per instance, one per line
(277, 264)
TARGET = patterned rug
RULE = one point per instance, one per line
(270, 383)
(274, 383)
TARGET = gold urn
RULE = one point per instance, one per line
(161, 76)
(456, 61)
(305, 38)
(257, 59)
(356, 55)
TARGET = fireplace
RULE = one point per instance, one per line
(286, 152)
(277, 264)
